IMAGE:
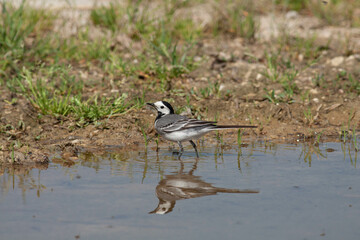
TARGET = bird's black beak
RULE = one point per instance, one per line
(151, 105)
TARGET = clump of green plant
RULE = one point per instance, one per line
(350, 83)
(168, 52)
(186, 29)
(16, 25)
(284, 76)
(334, 12)
(107, 16)
(118, 66)
(170, 39)
(295, 5)
(61, 79)
(288, 83)
(145, 136)
(41, 97)
(140, 101)
(93, 109)
(346, 81)
(140, 22)
(282, 97)
(212, 90)
(318, 137)
(319, 80)
(305, 96)
(273, 70)
(142, 25)
(305, 46)
(344, 134)
(236, 19)
(12, 154)
(83, 48)
(61, 102)
(297, 48)
(274, 98)
(309, 117)
(130, 18)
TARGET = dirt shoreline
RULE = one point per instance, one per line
(324, 108)
(123, 132)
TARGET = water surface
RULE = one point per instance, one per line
(304, 192)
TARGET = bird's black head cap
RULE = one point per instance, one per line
(168, 106)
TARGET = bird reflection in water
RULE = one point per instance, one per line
(185, 186)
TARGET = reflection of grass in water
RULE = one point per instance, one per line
(239, 137)
(313, 146)
(355, 144)
(347, 149)
(350, 142)
(22, 177)
(308, 149)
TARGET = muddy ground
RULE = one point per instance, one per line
(315, 113)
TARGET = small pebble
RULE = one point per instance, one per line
(337, 61)
(291, 14)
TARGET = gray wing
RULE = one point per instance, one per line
(175, 122)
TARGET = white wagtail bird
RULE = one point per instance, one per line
(178, 128)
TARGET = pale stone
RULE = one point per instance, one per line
(316, 100)
(314, 91)
(259, 76)
(224, 57)
(291, 14)
(337, 61)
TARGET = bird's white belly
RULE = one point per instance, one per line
(185, 135)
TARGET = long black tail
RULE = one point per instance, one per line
(216, 127)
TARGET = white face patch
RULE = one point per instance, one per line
(163, 208)
(160, 106)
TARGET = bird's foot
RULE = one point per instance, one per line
(175, 152)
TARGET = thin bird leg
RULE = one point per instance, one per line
(181, 149)
(194, 145)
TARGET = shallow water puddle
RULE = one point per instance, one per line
(272, 191)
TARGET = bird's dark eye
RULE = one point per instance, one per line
(162, 107)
